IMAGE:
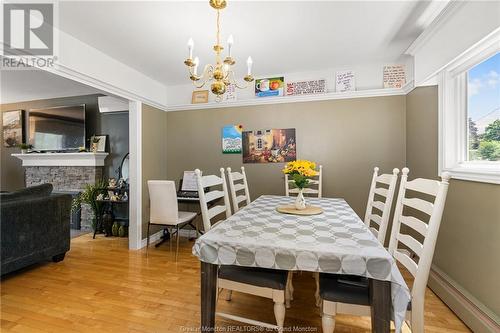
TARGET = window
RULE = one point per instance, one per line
(469, 114)
(483, 110)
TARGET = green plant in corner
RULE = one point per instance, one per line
(25, 146)
(89, 196)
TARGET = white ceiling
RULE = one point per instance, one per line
(30, 85)
(281, 37)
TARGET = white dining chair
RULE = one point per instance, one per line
(316, 181)
(268, 283)
(378, 223)
(164, 210)
(238, 183)
(416, 256)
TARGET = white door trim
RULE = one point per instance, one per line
(135, 200)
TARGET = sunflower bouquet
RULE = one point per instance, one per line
(300, 171)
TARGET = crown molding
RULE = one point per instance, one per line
(296, 99)
(443, 16)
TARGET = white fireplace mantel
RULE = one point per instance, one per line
(62, 159)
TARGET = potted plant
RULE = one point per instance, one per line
(300, 171)
(89, 196)
(24, 147)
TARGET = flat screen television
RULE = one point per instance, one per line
(57, 128)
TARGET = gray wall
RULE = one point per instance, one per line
(468, 245)
(348, 137)
(116, 125)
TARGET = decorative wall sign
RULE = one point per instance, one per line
(230, 94)
(199, 96)
(345, 81)
(269, 87)
(306, 87)
(12, 128)
(231, 139)
(269, 146)
(394, 76)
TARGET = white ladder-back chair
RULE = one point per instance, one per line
(236, 186)
(261, 282)
(308, 191)
(164, 210)
(378, 223)
(418, 267)
(205, 182)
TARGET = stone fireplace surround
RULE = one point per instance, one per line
(67, 172)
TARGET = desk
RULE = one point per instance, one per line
(336, 241)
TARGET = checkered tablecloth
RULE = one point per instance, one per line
(336, 241)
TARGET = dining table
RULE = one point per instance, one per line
(335, 241)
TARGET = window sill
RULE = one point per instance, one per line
(476, 172)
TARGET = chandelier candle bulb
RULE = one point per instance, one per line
(190, 47)
(230, 42)
(249, 65)
(195, 69)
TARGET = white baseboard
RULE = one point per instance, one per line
(156, 236)
(469, 309)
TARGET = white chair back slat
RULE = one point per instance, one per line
(382, 221)
(376, 218)
(412, 243)
(384, 179)
(374, 231)
(379, 205)
(210, 181)
(421, 266)
(415, 224)
(419, 204)
(422, 185)
(163, 202)
(406, 261)
(216, 210)
(237, 187)
(319, 182)
(382, 191)
(306, 190)
(236, 175)
(213, 195)
(240, 198)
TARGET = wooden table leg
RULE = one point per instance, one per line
(208, 293)
(380, 302)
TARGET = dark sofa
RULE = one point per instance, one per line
(34, 227)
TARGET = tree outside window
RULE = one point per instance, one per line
(483, 110)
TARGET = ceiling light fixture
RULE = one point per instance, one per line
(221, 74)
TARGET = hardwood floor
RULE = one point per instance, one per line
(103, 287)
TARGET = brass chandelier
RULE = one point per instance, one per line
(221, 74)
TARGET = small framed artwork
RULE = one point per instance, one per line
(199, 96)
(98, 143)
(272, 86)
(12, 128)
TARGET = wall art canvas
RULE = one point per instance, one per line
(12, 128)
(231, 139)
(394, 76)
(269, 146)
(345, 81)
(266, 87)
(306, 87)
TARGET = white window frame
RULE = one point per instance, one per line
(453, 122)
